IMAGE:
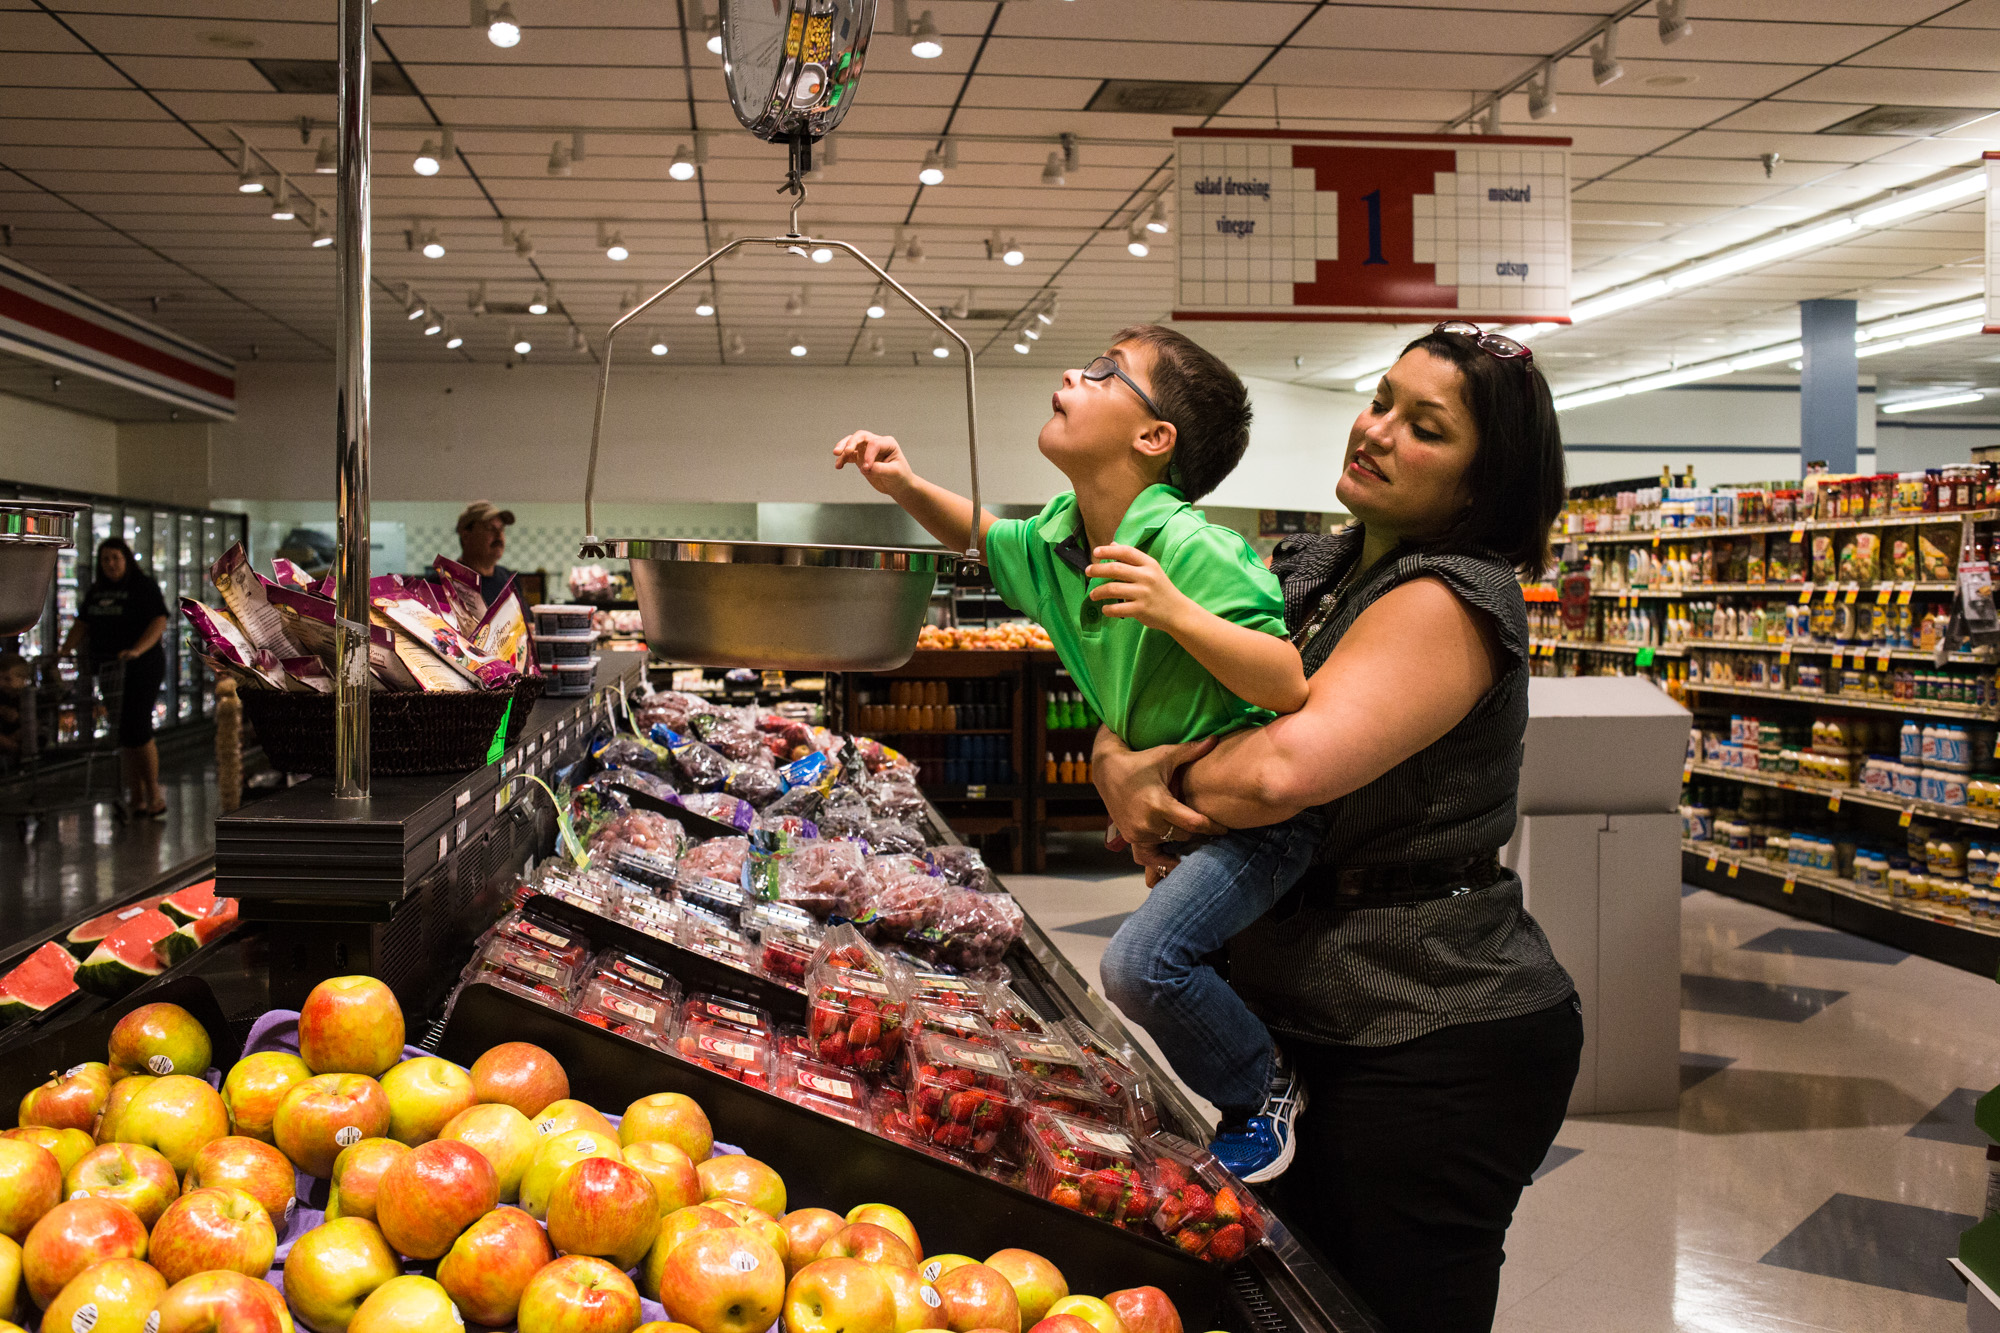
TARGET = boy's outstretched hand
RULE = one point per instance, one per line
(1139, 589)
(878, 458)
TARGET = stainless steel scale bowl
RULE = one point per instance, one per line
(32, 532)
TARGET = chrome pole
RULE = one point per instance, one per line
(350, 568)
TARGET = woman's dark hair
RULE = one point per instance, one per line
(1516, 476)
(120, 545)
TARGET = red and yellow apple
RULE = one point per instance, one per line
(557, 1155)
(917, 1303)
(351, 1025)
(31, 1183)
(333, 1268)
(1145, 1310)
(223, 1302)
(975, 1297)
(126, 1173)
(71, 1237)
(579, 1294)
(10, 1277)
(560, 1117)
(742, 1178)
(839, 1296)
(1038, 1284)
(519, 1074)
(407, 1304)
(160, 1039)
(676, 1227)
(255, 1088)
(175, 1116)
(122, 1093)
(604, 1208)
(664, 1326)
(890, 1219)
(70, 1100)
(253, 1166)
(217, 1227)
(424, 1094)
(668, 1117)
(866, 1241)
(1062, 1323)
(674, 1178)
(1091, 1311)
(727, 1281)
(357, 1177)
(429, 1197)
(752, 1219)
(489, 1265)
(506, 1138)
(68, 1146)
(326, 1113)
(119, 1293)
(806, 1230)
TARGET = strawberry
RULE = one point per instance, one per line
(865, 1030)
(963, 1107)
(1169, 1216)
(1200, 1207)
(1104, 1192)
(1193, 1242)
(862, 1004)
(1068, 1195)
(1227, 1245)
(1228, 1208)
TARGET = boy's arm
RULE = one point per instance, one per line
(945, 515)
(1258, 668)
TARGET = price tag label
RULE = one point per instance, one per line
(1904, 818)
(1644, 657)
(1838, 659)
(1882, 595)
(1831, 593)
(1712, 858)
(1791, 883)
(1798, 532)
(976, 792)
(1656, 540)
(1881, 661)
(1733, 868)
(1853, 593)
(1805, 594)
(1903, 594)
(1833, 803)
(1785, 655)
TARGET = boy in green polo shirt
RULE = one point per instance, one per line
(1173, 630)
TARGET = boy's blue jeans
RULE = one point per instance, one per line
(1154, 969)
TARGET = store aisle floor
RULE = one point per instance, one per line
(1817, 1173)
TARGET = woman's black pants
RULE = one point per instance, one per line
(1411, 1158)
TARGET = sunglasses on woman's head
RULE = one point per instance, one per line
(1494, 344)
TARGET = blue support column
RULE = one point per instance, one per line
(1829, 385)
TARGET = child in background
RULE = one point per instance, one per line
(1173, 630)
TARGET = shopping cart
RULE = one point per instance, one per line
(70, 744)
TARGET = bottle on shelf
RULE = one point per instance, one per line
(1051, 770)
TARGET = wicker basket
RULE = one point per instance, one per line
(408, 732)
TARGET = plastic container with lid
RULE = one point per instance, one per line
(1200, 1208)
(832, 1092)
(854, 1019)
(964, 1024)
(962, 1096)
(725, 1012)
(571, 679)
(618, 1008)
(553, 648)
(1090, 1168)
(742, 1056)
(562, 617)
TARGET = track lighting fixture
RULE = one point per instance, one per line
(521, 343)
(736, 344)
(413, 305)
(925, 42)
(940, 349)
(1053, 172)
(559, 159)
(627, 299)
(326, 160)
(1490, 119)
(876, 309)
(876, 346)
(1604, 66)
(577, 342)
(914, 251)
(248, 180)
(933, 168)
(502, 28)
(822, 255)
(1542, 93)
(1047, 313)
(1674, 23)
(682, 167)
(614, 244)
(1011, 253)
(1021, 343)
(1156, 221)
(475, 300)
(795, 304)
(712, 25)
(796, 343)
(322, 235)
(453, 339)
(428, 161)
(281, 203)
(430, 243)
(433, 324)
(523, 247)
(1032, 334)
(704, 305)
(659, 347)
(1135, 241)
(538, 303)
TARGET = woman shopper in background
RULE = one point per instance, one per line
(1436, 1036)
(123, 617)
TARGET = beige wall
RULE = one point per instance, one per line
(53, 446)
(164, 461)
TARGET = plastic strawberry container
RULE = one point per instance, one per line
(528, 969)
(835, 1092)
(1116, 1076)
(893, 1119)
(1087, 1167)
(570, 950)
(732, 1014)
(1198, 1206)
(961, 1095)
(855, 1019)
(1008, 1012)
(786, 938)
(738, 1055)
(964, 1024)
(625, 1011)
(1055, 1076)
(636, 974)
(712, 937)
(724, 898)
(945, 990)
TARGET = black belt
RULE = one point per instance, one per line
(1403, 882)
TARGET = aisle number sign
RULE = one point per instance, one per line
(1278, 225)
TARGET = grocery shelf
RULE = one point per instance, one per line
(1629, 649)
(1848, 701)
(1956, 814)
(939, 731)
(1846, 888)
(1784, 589)
(1754, 529)
(1857, 651)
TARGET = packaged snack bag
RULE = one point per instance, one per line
(243, 593)
(309, 618)
(421, 621)
(460, 586)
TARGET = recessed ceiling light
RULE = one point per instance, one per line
(501, 27)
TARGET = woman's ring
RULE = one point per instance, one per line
(1173, 834)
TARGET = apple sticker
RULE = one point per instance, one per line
(74, 1070)
(931, 1271)
(743, 1261)
(347, 1135)
(153, 1322)
(79, 1193)
(929, 1294)
(85, 1318)
(160, 1064)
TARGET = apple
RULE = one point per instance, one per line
(326, 1113)
(1145, 1310)
(71, 1237)
(938, 1265)
(1062, 1323)
(488, 1266)
(160, 1039)
(351, 1025)
(865, 1240)
(428, 1197)
(10, 1277)
(839, 1296)
(676, 1227)
(119, 1293)
(557, 1155)
(742, 1178)
(1038, 1284)
(216, 1227)
(560, 1117)
(126, 1173)
(256, 1168)
(892, 1219)
(743, 1215)
(806, 1230)
(68, 1146)
(519, 1074)
(122, 1093)
(579, 1294)
(30, 1185)
(407, 1304)
(71, 1100)
(976, 1296)
(424, 1094)
(664, 1326)
(174, 1116)
(917, 1303)
(727, 1281)
(333, 1268)
(357, 1177)
(673, 1175)
(255, 1087)
(1091, 1311)
(222, 1302)
(506, 1138)
(669, 1117)
(604, 1208)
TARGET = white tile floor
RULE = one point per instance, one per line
(1788, 1192)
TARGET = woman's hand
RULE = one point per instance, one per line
(1136, 788)
(1140, 590)
(127, 654)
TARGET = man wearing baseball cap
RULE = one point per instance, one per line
(482, 540)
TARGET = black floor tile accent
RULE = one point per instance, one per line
(1884, 1244)
(1695, 1067)
(1950, 1121)
(1754, 999)
(1106, 926)
(1557, 1156)
(1824, 944)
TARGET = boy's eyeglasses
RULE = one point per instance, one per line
(1103, 368)
(1494, 344)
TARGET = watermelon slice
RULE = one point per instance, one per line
(127, 956)
(190, 904)
(95, 931)
(44, 978)
(193, 935)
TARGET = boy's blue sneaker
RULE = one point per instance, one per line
(1261, 1149)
